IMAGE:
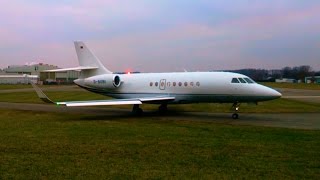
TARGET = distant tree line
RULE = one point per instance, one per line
(297, 73)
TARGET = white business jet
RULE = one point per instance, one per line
(161, 88)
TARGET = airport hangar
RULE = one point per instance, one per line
(25, 74)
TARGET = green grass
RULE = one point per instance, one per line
(62, 146)
(293, 85)
(14, 86)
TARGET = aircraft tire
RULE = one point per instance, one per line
(139, 112)
(235, 116)
(163, 109)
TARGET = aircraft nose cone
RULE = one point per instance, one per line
(268, 93)
(274, 94)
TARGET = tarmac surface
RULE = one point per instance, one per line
(301, 95)
(284, 120)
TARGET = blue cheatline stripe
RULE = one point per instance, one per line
(191, 97)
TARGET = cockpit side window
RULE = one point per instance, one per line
(235, 80)
(242, 80)
(250, 81)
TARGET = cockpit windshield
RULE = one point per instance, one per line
(250, 81)
(235, 80)
(243, 80)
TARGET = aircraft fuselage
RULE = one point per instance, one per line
(186, 87)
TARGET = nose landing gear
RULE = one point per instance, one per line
(235, 107)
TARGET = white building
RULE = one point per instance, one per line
(312, 79)
(15, 74)
(33, 69)
(18, 79)
(286, 80)
(66, 77)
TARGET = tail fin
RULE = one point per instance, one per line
(87, 59)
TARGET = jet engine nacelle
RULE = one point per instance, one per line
(106, 81)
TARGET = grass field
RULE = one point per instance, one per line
(42, 145)
(61, 146)
(14, 86)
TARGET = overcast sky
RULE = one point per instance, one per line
(163, 35)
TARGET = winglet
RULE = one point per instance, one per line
(41, 95)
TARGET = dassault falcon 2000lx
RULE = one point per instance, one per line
(161, 88)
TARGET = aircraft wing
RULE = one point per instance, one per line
(71, 69)
(100, 102)
(132, 101)
(115, 101)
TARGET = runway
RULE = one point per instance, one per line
(284, 120)
(304, 95)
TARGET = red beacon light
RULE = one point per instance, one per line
(128, 71)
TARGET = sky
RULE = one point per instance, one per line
(163, 35)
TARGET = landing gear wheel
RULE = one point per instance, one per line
(139, 112)
(235, 108)
(136, 110)
(235, 116)
(163, 108)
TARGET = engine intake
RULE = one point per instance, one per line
(106, 81)
(116, 81)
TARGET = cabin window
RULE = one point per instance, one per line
(242, 80)
(191, 84)
(235, 80)
(250, 81)
(174, 83)
(185, 84)
(180, 83)
(151, 83)
(198, 83)
(156, 83)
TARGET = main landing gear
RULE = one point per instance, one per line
(163, 108)
(235, 108)
(136, 110)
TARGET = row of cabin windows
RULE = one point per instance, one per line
(168, 84)
(242, 80)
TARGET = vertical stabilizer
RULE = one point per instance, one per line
(87, 59)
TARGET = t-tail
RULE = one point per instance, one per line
(87, 59)
(89, 64)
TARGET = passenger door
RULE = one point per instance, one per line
(162, 85)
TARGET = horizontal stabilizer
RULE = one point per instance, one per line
(72, 69)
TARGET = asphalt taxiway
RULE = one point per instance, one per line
(285, 120)
(304, 95)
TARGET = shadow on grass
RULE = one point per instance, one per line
(172, 114)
